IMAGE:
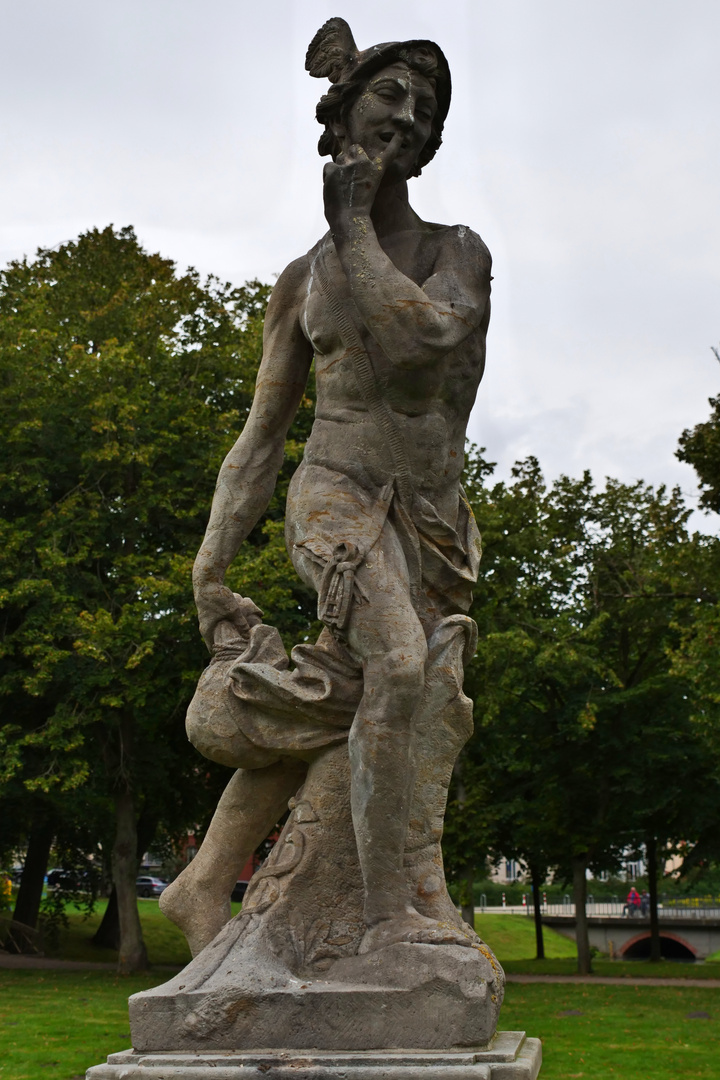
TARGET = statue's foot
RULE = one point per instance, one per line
(415, 928)
(199, 913)
(440, 909)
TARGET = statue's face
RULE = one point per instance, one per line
(396, 99)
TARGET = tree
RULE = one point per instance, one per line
(695, 656)
(578, 713)
(700, 447)
(123, 385)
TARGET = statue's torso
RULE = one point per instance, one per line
(431, 402)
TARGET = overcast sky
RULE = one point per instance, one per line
(583, 144)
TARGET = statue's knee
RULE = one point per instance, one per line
(402, 671)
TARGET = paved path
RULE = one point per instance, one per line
(7, 960)
(48, 963)
(611, 980)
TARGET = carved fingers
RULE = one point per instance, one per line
(224, 614)
(351, 182)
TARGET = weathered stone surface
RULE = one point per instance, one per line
(423, 996)
(286, 968)
(348, 955)
(510, 1056)
(393, 311)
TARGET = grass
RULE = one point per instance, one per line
(57, 1023)
(512, 937)
(618, 1031)
(166, 945)
(626, 969)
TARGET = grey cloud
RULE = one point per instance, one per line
(582, 144)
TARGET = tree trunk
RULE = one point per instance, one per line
(652, 868)
(581, 927)
(535, 878)
(107, 935)
(132, 955)
(29, 897)
(467, 909)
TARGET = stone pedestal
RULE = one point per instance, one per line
(426, 996)
(508, 1056)
(283, 989)
(288, 970)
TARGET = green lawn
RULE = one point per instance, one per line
(165, 943)
(512, 937)
(56, 1024)
(618, 1031)
(626, 969)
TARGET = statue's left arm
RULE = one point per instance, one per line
(414, 324)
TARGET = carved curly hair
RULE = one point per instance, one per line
(340, 98)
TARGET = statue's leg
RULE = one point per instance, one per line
(198, 901)
(443, 723)
(386, 636)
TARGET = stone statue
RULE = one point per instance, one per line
(347, 940)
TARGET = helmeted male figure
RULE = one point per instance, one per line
(394, 311)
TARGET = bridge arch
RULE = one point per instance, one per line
(672, 946)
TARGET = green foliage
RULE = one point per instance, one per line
(584, 741)
(694, 660)
(76, 888)
(700, 447)
(123, 385)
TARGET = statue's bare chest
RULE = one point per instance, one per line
(332, 364)
(412, 390)
(411, 257)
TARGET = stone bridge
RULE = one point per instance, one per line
(682, 937)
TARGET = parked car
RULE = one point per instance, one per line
(150, 886)
(68, 880)
(60, 879)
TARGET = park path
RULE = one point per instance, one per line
(9, 961)
(28, 963)
(611, 980)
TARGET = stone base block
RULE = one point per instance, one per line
(429, 997)
(508, 1056)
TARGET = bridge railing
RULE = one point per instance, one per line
(708, 911)
(617, 909)
(592, 908)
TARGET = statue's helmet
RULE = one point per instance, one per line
(333, 54)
